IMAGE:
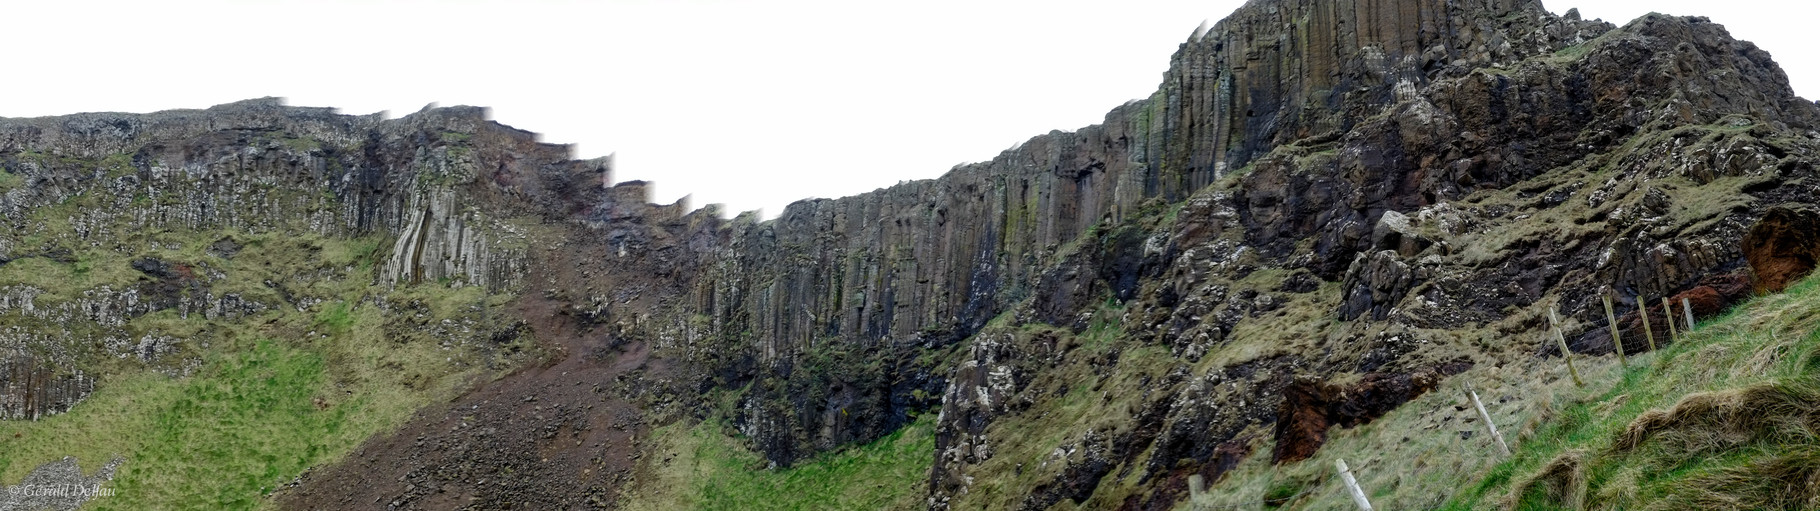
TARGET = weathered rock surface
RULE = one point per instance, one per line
(1311, 406)
(1375, 283)
(216, 169)
(1782, 247)
(168, 198)
(30, 389)
(1381, 187)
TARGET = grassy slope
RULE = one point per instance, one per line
(274, 393)
(1741, 428)
(699, 467)
(240, 405)
(1421, 455)
(1739, 443)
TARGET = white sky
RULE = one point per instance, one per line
(751, 104)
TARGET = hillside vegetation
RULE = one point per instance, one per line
(252, 402)
(1727, 418)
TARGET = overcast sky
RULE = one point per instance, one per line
(751, 104)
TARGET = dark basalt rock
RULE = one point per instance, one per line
(1374, 284)
(32, 388)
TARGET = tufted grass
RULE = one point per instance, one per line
(1725, 419)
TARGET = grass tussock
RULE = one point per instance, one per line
(1561, 482)
(1788, 481)
(1707, 422)
(1723, 419)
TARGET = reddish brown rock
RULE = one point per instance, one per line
(1302, 425)
(1715, 294)
(1173, 487)
(1782, 247)
(1311, 405)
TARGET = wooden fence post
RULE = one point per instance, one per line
(1358, 495)
(1689, 309)
(1643, 313)
(1668, 313)
(1617, 341)
(1486, 416)
(1565, 353)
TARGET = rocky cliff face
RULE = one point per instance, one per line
(85, 190)
(926, 264)
(1326, 209)
(1515, 158)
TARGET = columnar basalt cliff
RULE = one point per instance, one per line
(928, 263)
(96, 185)
(29, 390)
(1326, 210)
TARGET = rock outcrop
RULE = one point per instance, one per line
(1782, 247)
(1311, 406)
(223, 168)
(1376, 283)
(1383, 187)
(30, 389)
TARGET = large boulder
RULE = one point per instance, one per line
(1396, 231)
(1374, 284)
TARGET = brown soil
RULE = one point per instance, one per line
(558, 435)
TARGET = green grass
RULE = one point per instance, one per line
(1726, 419)
(224, 438)
(1076, 397)
(700, 467)
(242, 401)
(255, 414)
(1714, 456)
(9, 181)
(335, 317)
(253, 417)
(1106, 327)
